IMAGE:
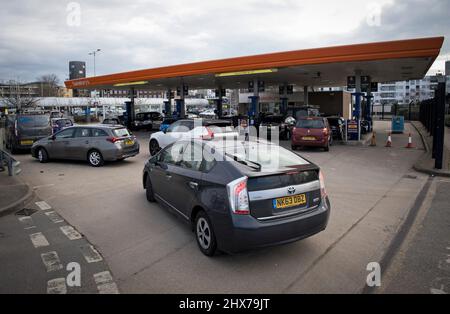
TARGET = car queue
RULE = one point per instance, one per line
(237, 193)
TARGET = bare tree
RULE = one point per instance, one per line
(14, 94)
(49, 85)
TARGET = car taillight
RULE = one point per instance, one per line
(323, 191)
(238, 196)
(113, 139)
(209, 136)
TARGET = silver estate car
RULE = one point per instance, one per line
(96, 144)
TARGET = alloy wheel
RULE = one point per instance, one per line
(95, 158)
(203, 233)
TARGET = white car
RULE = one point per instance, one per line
(190, 128)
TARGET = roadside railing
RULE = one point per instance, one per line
(8, 162)
(432, 116)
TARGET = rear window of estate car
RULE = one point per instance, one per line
(310, 124)
(121, 132)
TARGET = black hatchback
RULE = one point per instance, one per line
(238, 195)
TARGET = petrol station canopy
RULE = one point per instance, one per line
(321, 67)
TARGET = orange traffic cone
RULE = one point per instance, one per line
(373, 142)
(410, 143)
(389, 141)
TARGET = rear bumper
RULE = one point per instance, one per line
(316, 143)
(20, 145)
(248, 233)
(120, 153)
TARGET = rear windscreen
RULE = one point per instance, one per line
(64, 123)
(277, 181)
(220, 124)
(121, 132)
(273, 120)
(310, 124)
(33, 121)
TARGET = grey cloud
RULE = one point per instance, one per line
(36, 39)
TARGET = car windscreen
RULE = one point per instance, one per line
(310, 124)
(64, 123)
(143, 116)
(33, 121)
(123, 132)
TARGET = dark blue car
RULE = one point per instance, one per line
(59, 124)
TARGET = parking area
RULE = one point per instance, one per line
(150, 250)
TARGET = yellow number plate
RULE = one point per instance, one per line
(309, 138)
(27, 142)
(129, 142)
(289, 201)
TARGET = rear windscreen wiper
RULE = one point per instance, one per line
(248, 163)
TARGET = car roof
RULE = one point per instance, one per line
(311, 118)
(100, 126)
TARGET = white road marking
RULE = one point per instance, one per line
(57, 286)
(105, 283)
(28, 222)
(54, 217)
(90, 254)
(39, 240)
(43, 186)
(43, 205)
(108, 288)
(102, 278)
(71, 233)
(51, 261)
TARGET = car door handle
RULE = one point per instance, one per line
(87, 142)
(193, 185)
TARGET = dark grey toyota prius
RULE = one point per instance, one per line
(239, 195)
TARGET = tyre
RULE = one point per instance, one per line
(95, 158)
(149, 190)
(154, 147)
(42, 155)
(204, 234)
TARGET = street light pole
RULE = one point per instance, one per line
(94, 53)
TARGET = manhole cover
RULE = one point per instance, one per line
(26, 212)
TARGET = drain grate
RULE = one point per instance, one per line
(26, 212)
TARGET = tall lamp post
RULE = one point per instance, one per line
(94, 53)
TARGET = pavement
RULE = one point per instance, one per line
(426, 163)
(150, 250)
(422, 262)
(14, 193)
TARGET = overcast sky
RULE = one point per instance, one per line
(40, 37)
